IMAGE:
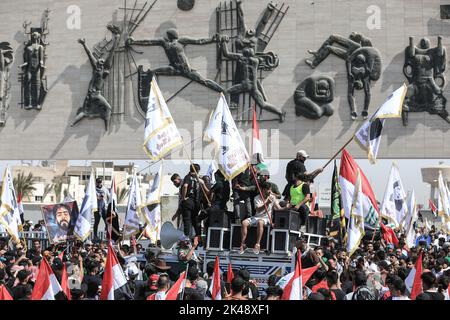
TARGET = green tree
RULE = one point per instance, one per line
(57, 187)
(122, 193)
(24, 184)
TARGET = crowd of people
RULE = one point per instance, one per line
(376, 271)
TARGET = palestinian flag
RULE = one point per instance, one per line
(347, 179)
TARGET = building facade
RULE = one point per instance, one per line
(285, 76)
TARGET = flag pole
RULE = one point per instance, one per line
(196, 174)
(340, 150)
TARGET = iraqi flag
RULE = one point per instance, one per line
(65, 283)
(257, 150)
(294, 288)
(177, 288)
(88, 207)
(414, 281)
(114, 284)
(306, 274)
(433, 207)
(46, 285)
(389, 235)
(215, 289)
(230, 273)
(347, 179)
(4, 293)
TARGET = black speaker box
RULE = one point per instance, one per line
(283, 240)
(251, 237)
(286, 219)
(218, 219)
(214, 241)
(316, 225)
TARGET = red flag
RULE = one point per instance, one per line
(151, 297)
(46, 285)
(4, 293)
(177, 287)
(215, 283)
(230, 274)
(322, 284)
(294, 288)
(113, 277)
(64, 282)
(432, 207)
(307, 273)
(389, 235)
(417, 284)
(256, 141)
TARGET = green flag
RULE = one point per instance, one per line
(337, 213)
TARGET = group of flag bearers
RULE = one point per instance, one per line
(354, 207)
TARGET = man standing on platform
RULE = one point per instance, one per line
(190, 203)
(297, 166)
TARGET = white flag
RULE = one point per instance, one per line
(355, 229)
(369, 134)
(132, 223)
(9, 210)
(231, 154)
(161, 134)
(211, 171)
(394, 207)
(410, 220)
(152, 207)
(88, 207)
(444, 204)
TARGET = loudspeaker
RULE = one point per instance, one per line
(218, 219)
(283, 241)
(316, 225)
(251, 237)
(218, 239)
(286, 219)
(169, 235)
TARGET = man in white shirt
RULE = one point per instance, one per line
(261, 217)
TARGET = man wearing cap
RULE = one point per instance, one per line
(264, 176)
(297, 166)
(186, 252)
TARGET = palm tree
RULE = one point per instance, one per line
(121, 194)
(57, 187)
(47, 189)
(24, 185)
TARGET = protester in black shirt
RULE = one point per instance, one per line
(333, 284)
(429, 286)
(297, 167)
(190, 203)
(220, 192)
(243, 191)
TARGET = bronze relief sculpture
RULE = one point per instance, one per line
(363, 64)
(6, 59)
(424, 68)
(95, 105)
(313, 97)
(32, 77)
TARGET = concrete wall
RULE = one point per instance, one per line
(47, 134)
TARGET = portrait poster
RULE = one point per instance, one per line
(60, 220)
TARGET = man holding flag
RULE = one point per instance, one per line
(88, 207)
(9, 209)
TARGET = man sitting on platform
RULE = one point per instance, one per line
(263, 208)
(300, 197)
